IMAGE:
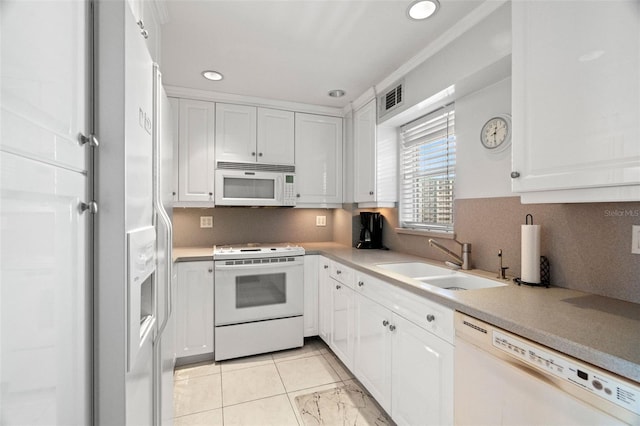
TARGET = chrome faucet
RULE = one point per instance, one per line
(463, 261)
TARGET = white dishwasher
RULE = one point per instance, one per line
(503, 379)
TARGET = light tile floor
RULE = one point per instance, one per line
(257, 390)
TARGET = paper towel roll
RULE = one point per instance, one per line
(530, 252)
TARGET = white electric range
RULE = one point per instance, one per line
(259, 298)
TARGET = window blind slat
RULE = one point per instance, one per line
(428, 171)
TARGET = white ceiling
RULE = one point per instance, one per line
(295, 50)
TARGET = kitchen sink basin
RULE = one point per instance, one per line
(415, 269)
(460, 281)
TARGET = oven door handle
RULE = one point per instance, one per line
(222, 267)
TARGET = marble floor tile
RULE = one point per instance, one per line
(273, 411)
(246, 362)
(205, 418)
(292, 396)
(310, 348)
(344, 405)
(306, 372)
(338, 366)
(250, 384)
(197, 394)
(196, 370)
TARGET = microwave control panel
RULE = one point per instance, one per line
(289, 193)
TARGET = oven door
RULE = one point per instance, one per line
(258, 289)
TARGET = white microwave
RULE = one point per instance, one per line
(246, 184)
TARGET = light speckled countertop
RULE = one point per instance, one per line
(599, 330)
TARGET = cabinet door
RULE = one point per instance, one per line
(196, 151)
(175, 127)
(235, 132)
(275, 136)
(342, 322)
(324, 300)
(372, 360)
(576, 102)
(364, 155)
(194, 308)
(310, 296)
(318, 154)
(422, 376)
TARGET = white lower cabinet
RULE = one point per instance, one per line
(194, 308)
(342, 338)
(421, 376)
(373, 349)
(324, 299)
(397, 344)
(310, 295)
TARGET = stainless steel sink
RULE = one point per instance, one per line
(415, 269)
(460, 281)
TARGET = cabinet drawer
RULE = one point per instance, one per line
(342, 274)
(428, 315)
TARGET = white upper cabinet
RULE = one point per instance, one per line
(576, 101)
(196, 152)
(246, 133)
(375, 160)
(318, 155)
(235, 132)
(275, 143)
(364, 136)
(44, 108)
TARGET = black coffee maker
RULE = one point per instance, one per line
(370, 231)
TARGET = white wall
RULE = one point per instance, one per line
(479, 172)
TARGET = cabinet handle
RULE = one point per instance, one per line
(338, 287)
(431, 318)
(211, 194)
(298, 195)
(259, 154)
(144, 33)
(253, 154)
(326, 266)
(360, 283)
(515, 175)
(338, 272)
(173, 193)
(370, 192)
(392, 327)
(91, 140)
(385, 323)
(210, 269)
(91, 207)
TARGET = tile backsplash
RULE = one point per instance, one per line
(588, 245)
(244, 225)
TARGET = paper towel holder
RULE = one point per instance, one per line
(545, 275)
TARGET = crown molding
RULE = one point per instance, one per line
(206, 95)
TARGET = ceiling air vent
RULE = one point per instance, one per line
(392, 99)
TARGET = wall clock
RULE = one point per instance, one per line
(496, 133)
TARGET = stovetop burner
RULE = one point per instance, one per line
(256, 250)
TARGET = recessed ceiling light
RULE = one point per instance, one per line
(337, 93)
(422, 9)
(212, 75)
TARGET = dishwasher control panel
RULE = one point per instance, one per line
(613, 389)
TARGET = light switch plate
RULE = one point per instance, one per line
(635, 239)
(206, 221)
(321, 221)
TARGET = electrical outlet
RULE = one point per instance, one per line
(321, 221)
(206, 221)
(635, 239)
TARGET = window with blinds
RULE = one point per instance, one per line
(427, 161)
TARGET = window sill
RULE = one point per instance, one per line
(424, 233)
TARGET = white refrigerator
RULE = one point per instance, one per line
(133, 292)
